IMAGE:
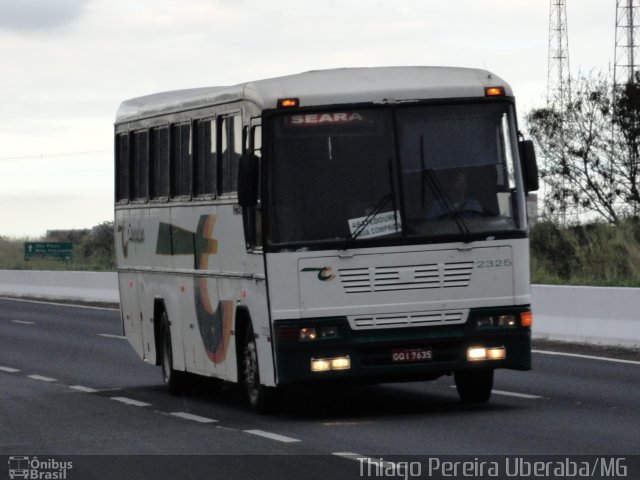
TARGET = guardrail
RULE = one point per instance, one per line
(94, 287)
(607, 316)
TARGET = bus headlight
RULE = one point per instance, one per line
(326, 364)
(308, 333)
(316, 333)
(496, 321)
(475, 354)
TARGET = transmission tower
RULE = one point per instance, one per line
(559, 80)
(626, 57)
(558, 75)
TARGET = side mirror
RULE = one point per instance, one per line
(529, 166)
(248, 173)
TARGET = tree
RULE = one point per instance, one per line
(589, 150)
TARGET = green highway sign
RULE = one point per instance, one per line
(59, 250)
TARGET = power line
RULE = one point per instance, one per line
(52, 155)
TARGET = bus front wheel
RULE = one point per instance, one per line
(173, 379)
(474, 386)
(262, 398)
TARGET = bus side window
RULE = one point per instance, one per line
(159, 163)
(139, 166)
(206, 161)
(181, 168)
(231, 150)
(122, 168)
(253, 216)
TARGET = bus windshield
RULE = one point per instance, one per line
(417, 172)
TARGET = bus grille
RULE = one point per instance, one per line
(399, 320)
(414, 277)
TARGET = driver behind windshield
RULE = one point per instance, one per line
(457, 202)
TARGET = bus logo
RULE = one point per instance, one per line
(323, 273)
(18, 467)
(318, 119)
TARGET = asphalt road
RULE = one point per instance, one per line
(71, 387)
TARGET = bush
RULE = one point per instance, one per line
(93, 250)
(596, 254)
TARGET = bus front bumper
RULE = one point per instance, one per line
(327, 349)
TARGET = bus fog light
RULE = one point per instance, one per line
(498, 353)
(320, 365)
(326, 364)
(341, 363)
(476, 353)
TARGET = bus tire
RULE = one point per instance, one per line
(474, 386)
(173, 379)
(262, 399)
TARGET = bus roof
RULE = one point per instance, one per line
(325, 87)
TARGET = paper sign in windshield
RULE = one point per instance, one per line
(382, 224)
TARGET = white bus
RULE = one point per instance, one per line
(346, 225)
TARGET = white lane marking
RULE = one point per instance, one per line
(80, 388)
(23, 322)
(195, 418)
(41, 378)
(515, 394)
(589, 357)
(272, 436)
(511, 394)
(23, 300)
(130, 401)
(109, 335)
(348, 455)
(9, 369)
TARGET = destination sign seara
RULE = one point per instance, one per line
(59, 250)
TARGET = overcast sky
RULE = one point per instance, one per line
(66, 66)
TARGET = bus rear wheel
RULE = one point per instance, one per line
(474, 386)
(173, 379)
(263, 399)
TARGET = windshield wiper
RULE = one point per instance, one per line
(429, 175)
(378, 208)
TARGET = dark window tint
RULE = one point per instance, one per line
(231, 150)
(181, 183)
(205, 169)
(139, 162)
(122, 167)
(159, 163)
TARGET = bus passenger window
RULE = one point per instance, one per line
(159, 163)
(139, 165)
(206, 161)
(231, 150)
(253, 215)
(122, 167)
(181, 160)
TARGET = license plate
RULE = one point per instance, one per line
(411, 354)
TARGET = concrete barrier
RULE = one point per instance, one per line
(598, 315)
(607, 316)
(98, 287)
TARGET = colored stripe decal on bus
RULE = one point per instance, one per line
(174, 240)
(214, 324)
